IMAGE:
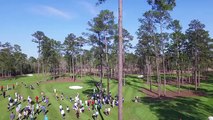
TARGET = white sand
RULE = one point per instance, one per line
(30, 75)
(140, 76)
(75, 87)
(210, 117)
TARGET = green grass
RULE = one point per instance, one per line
(191, 108)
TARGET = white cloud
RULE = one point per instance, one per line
(51, 11)
(89, 7)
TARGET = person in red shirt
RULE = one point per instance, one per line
(2, 88)
(93, 102)
(36, 99)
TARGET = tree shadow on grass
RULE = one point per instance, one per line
(178, 108)
(208, 81)
(91, 82)
(12, 77)
(132, 84)
(88, 92)
(131, 76)
(99, 111)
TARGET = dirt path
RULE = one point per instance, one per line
(172, 94)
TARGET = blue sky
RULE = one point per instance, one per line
(19, 19)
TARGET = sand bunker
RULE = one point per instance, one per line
(140, 76)
(75, 87)
(29, 75)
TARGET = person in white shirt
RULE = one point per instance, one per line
(25, 114)
(63, 114)
(32, 110)
(19, 116)
(68, 109)
(60, 107)
(16, 95)
(80, 102)
(108, 110)
(9, 98)
(55, 91)
(95, 115)
(37, 109)
(15, 101)
(113, 103)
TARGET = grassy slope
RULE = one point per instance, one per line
(194, 108)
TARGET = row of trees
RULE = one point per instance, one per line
(101, 36)
(13, 61)
(161, 51)
(162, 48)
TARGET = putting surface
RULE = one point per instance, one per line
(190, 108)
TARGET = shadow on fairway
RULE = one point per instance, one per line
(88, 92)
(99, 111)
(131, 76)
(134, 85)
(12, 77)
(91, 82)
(180, 108)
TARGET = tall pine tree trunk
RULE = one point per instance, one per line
(157, 68)
(195, 70)
(81, 62)
(164, 75)
(147, 71)
(73, 68)
(158, 76)
(120, 62)
(149, 75)
(107, 66)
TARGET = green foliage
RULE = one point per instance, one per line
(12, 60)
(162, 4)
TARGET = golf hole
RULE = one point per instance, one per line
(75, 87)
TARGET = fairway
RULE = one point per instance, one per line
(190, 108)
(106, 60)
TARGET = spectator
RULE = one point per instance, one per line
(31, 117)
(4, 94)
(45, 117)
(37, 108)
(12, 116)
(47, 101)
(78, 113)
(60, 107)
(68, 109)
(43, 108)
(16, 95)
(56, 95)
(55, 91)
(2, 88)
(25, 114)
(62, 96)
(36, 99)
(95, 115)
(19, 116)
(63, 113)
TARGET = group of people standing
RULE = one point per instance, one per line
(97, 102)
(30, 110)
